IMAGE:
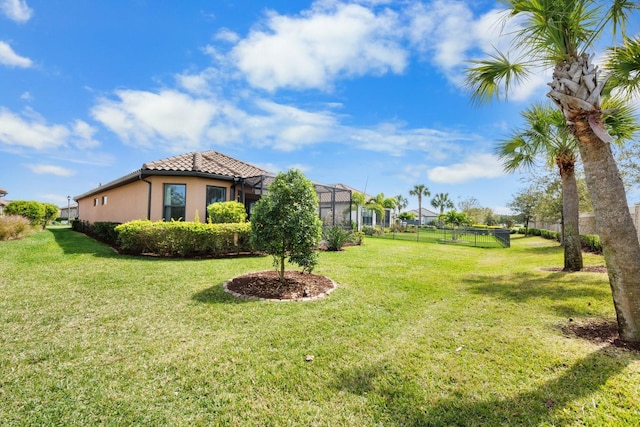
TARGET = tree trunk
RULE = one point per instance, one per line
(615, 227)
(570, 220)
(576, 90)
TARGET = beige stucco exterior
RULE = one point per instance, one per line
(131, 201)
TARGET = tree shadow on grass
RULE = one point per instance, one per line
(524, 287)
(71, 242)
(404, 402)
(217, 295)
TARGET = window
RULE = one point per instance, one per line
(104, 200)
(175, 201)
(215, 195)
(95, 202)
(367, 217)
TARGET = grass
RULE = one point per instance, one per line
(416, 334)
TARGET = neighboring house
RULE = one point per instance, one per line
(180, 188)
(426, 216)
(67, 212)
(3, 202)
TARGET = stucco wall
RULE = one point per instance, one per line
(130, 202)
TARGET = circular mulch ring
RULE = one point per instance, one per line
(266, 285)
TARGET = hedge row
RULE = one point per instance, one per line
(589, 242)
(183, 239)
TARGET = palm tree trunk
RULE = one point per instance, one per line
(570, 220)
(614, 225)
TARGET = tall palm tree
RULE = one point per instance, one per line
(442, 201)
(420, 190)
(545, 133)
(558, 34)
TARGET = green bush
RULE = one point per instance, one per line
(33, 211)
(591, 242)
(105, 231)
(14, 227)
(183, 239)
(227, 213)
(336, 237)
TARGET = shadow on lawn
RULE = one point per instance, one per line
(405, 401)
(523, 287)
(217, 295)
(72, 242)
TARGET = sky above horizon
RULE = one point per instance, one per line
(365, 93)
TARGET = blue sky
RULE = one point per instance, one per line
(366, 93)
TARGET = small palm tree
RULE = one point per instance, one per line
(379, 205)
(558, 34)
(545, 133)
(420, 190)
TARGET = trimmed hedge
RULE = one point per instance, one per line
(589, 242)
(183, 239)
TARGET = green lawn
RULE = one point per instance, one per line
(416, 334)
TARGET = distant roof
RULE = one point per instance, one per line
(3, 192)
(425, 212)
(206, 164)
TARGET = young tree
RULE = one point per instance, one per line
(524, 205)
(285, 222)
(558, 33)
(420, 190)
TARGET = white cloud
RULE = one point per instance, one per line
(16, 10)
(42, 169)
(169, 119)
(226, 35)
(30, 132)
(478, 166)
(301, 52)
(83, 135)
(11, 59)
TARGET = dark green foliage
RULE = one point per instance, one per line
(285, 222)
(226, 213)
(591, 242)
(336, 237)
(183, 239)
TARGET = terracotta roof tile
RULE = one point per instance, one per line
(211, 162)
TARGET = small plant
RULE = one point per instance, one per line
(14, 227)
(336, 237)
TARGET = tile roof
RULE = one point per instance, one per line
(3, 192)
(211, 162)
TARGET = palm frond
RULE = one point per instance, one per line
(623, 64)
(492, 77)
(622, 124)
(619, 12)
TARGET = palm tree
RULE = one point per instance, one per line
(442, 201)
(420, 190)
(546, 133)
(379, 205)
(558, 33)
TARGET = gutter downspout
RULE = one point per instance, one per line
(148, 196)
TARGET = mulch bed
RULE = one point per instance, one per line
(267, 285)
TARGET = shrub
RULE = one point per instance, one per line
(105, 231)
(33, 211)
(336, 237)
(368, 230)
(14, 227)
(226, 213)
(591, 242)
(183, 239)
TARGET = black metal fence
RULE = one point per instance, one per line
(468, 236)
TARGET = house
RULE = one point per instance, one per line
(181, 187)
(3, 202)
(426, 216)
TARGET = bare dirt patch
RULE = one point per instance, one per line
(602, 332)
(587, 269)
(267, 285)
